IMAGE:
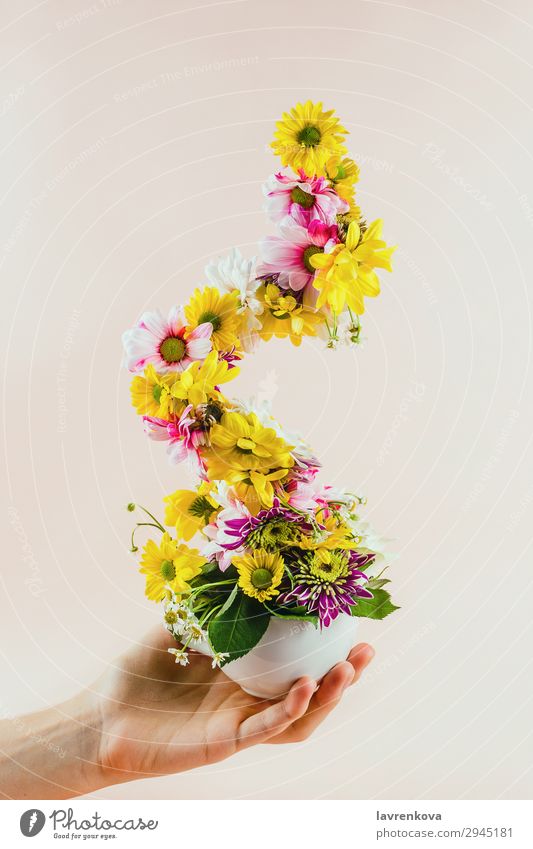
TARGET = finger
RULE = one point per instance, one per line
(359, 657)
(324, 700)
(274, 719)
(328, 694)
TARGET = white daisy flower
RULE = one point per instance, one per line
(372, 541)
(180, 656)
(218, 658)
(195, 633)
(176, 616)
(234, 273)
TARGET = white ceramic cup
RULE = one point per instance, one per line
(288, 650)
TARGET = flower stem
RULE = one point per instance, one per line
(135, 548)
(157, 522)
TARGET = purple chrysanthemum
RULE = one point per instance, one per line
(267, 527)
(328, 589)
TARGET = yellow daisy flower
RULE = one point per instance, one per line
(220, 310)
(343, 174)
(283, 316)
(260, 573)
(307, 138)
(169, 566)
(347, 273)
(150, 394)
(197, 383)
(189, 511)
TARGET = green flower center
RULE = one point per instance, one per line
(273, 535)
(304, 199)
(168, 570)
(308, 253)
(156, 392)
(261, 579)
(171, 617)
(212, 318)
(172, 349)
(309, 136)
(332, 571)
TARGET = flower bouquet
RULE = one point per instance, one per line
(285, 565)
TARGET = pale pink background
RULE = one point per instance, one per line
(129, 158)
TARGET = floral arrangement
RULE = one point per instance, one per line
(274, 541)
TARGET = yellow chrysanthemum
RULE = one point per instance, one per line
(307, 138)
(260, 573)
(189, 510)
(239, 441)
(197, 383)
(343, 174)
(249, 457)
(255, 489)
(347, 273)
(150, 394)
(283, 316)
(220, 310)
(334, 536)
(169, 566)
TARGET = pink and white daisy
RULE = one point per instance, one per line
(288, 256)
(164, 342)
(302, 197)
(184, 440)
(224, 544)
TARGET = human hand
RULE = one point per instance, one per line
(159, 718)
(146, 716)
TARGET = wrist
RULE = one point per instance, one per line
(54, 753)
(83, 720)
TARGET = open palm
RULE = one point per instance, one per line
(161, 718)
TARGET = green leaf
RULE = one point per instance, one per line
(239, 628)
(377, 607)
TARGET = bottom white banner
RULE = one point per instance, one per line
(261, 824)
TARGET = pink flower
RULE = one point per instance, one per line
(308, 494)
(304, 198)
(184, 440)
(222, 545)
(289, 255)
(164, 342)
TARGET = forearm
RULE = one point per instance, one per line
(54, 753)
